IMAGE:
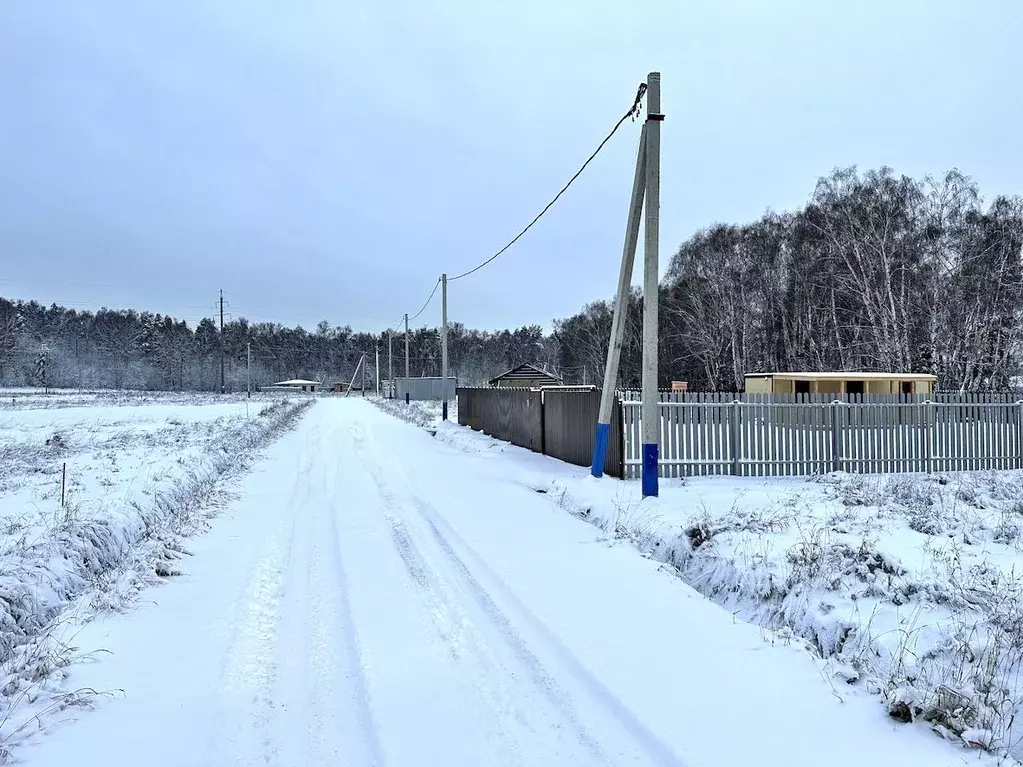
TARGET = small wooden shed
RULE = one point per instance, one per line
(526, 377)
(850, 382)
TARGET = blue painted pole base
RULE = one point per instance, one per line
(600, 449)
(444, 411)
(650, 471)
(406, 398)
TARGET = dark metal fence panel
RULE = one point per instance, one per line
(570, 419)
(556, 422)
(468, 408)
(512, 415)
(518, 415)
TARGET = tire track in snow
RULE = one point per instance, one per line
(319, 722)
(647, 743)
(468, 641)
(355, 676)
(244, 734)
(247, 731)
(453, 626)
(653, 746)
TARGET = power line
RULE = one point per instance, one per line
(633, 110)
(432, 294)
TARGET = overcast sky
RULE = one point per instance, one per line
(328, 160)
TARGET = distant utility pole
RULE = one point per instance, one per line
(248, 370)
(378, 370)
(444, 345)
(390, 365)
(406, 358)
(650, 414)
(351, 384)
(222, 387)
(363, 375)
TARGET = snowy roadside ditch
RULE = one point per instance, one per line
(907, 586)
(146, 486)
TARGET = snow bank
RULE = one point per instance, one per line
(909, 586)
(96, 556)
(424, 414)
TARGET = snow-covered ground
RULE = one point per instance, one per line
(35, 398)
(377, 596)
(135, 479)
(910, 587)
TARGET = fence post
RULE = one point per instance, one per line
(836, 436)
(1019, 434)
(621, 435)
(543, 422)
(736, 468)
(929, 413)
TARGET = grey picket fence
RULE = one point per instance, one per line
(771, 435)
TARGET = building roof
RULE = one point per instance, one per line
(850, 375)
(525, 372)
(425, 378)
(297, 382)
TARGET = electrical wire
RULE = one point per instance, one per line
(432, 294)
(633, 110)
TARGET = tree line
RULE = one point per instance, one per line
(126, 349)
(875, 272)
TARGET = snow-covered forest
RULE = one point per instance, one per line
(62, 347)
(877, 271)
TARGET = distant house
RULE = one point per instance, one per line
(840, 383)
(526, 377)
(294, 385)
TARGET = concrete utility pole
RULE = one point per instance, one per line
(406, 358)
(614, 351)
(444, 345)
(390, 365)
(222, 388)
(351, 384)
(248, 370)
(378, 370)
(650, 411)
(363, 375)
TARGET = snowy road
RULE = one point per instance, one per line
(378, 598)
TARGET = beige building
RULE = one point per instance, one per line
(840, 383)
